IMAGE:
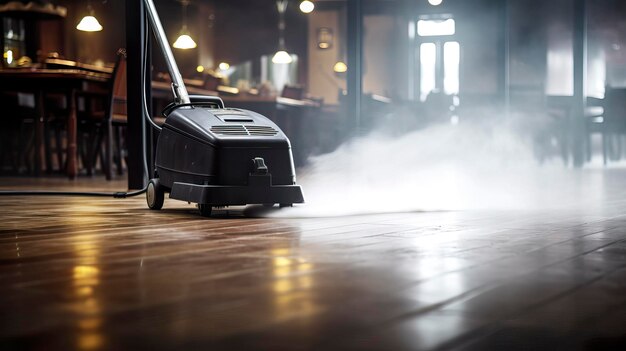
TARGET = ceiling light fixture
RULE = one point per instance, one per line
(307, 6)
(281, 56)
(435, 2)
(89, 23)
(184, 40)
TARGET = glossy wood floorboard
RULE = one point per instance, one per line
(106, 274)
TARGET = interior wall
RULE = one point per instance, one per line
(380, 61)
(478, 32)
(322, 81)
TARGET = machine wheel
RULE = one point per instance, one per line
(205, 210)
(286, 205)
(155, 196)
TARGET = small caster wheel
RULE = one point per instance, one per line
(155, 196)
(205, 210)
(286, 205)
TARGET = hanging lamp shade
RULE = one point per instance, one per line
(89, 23)
(184, 40)
(281, 56)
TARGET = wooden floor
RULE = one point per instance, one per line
(100, 274)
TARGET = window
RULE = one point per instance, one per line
(427, 28)
(451, 60)
(428, 69)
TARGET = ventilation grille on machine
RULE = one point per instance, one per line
(261, 130)
(241, 130)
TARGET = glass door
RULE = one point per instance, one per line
(439, 57)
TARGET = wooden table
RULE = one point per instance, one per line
(44, 81)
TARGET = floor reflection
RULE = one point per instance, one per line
(86, 280)
(294, 284)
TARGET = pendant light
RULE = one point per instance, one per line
(281, 56)
(184, 40)
(89, 23)
(307, 6)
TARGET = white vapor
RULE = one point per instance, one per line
(442, 167)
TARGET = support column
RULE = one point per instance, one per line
(580, 75)
(135, 31)
(505, 56)
(354, 77)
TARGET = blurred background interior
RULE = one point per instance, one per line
(323, 70)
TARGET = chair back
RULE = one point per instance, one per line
(293, 92)
(117, 107)
(211, 82)
(615, 109)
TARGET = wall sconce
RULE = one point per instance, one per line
(340, 67)
(324, 38)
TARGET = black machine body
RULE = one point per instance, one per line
(216, 156)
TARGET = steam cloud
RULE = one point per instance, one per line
(443, 167)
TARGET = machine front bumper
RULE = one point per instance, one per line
(258, 191)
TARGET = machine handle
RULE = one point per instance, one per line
(178, 86)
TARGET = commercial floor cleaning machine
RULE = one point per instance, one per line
(216, 156)
(209, 154)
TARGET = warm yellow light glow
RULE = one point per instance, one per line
(9, 56)
(200, 68)
(184, 41)
(303, 267)
(89, 323)
(340, 67)
(282, 286)
(435, 2)
(280, 252)
(81, 272)
(224, 66)
(282, 271)
(85, 276)
(89, 24)
(84, 291)
(281, 57)
(307, 6)
(324, 45)
(90, 341)
(281, 261)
